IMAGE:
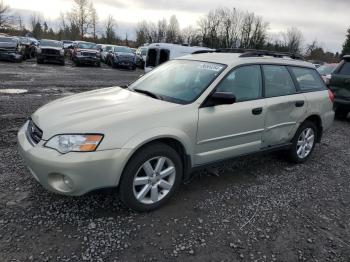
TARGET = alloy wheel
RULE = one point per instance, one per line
(154, 180)
(305, 142)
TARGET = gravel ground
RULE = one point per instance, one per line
(258, 208)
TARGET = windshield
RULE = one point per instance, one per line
(108, 48)
(8, 39)
(50, 43)
(179, 81)
(326, 69)
(87, 46)
(122, 49)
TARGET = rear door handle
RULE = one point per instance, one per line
(299, 103)
(257, 111)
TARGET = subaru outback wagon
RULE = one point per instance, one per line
(193, 111)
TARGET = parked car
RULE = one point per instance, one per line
(159, 53)
(50, 51)
(105, 49)
(141, 54)
(187, 113)
(11, 49)
(326, 70)
(67, 43)
(29, 47)
(340, 85)
(121, 56)
(86, 53)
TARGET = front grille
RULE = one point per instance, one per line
(34, 132)
(126, 58)
(88, 54)
(50, 52)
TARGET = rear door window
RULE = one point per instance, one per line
(278, 81)
(163, 56)
(308, 79)
(152, 57)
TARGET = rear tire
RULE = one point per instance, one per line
(143, 186)
(303, 143)
(39, 61)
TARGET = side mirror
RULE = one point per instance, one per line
(220, 98)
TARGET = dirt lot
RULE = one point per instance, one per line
(258, 208)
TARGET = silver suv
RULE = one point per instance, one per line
(189, 112)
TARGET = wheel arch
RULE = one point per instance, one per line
(179, 144)
(316, 119)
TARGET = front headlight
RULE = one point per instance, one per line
(62, 52)
(74, 143)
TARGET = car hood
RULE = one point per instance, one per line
(88, 50)
(8, 45)
(51, 47)
(123, 54)
(95, 111)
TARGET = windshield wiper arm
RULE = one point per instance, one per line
(149, 93)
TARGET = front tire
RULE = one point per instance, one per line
(303, 143)
(151, 177)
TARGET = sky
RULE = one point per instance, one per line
(323, 20)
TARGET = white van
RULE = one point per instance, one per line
(159, 53)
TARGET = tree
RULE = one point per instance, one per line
(94, 19)
(293, 40)
(110, 33)
(5, 17)
(173, 30)
(35, 22)
(162, 27)
(346, 45)
(81, 16)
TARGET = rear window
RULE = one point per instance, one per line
(308, 79)
(278, 81)
(345, 69)
(152, 57)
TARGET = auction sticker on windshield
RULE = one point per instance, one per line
(210, 66)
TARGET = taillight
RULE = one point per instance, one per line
(331, 95)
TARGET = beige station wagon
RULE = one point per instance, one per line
(145, 138)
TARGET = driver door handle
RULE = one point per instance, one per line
(257, 111)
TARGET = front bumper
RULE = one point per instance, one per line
(11, 56)
(126, 63)
(87, 59)
(51, 57)
(73, 173)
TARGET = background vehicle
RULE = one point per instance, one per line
(49, 51)
(340, 85)
(192, 111)
(11, 49)
(326, 70)
(141, 54)
(86, 53)
(29, 47)
(67, 43)
(159, 53)
(121, 56)
(104, 51)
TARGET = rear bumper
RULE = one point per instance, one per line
(73, 173)
(341, 102)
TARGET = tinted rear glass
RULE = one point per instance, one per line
(345, 70)
(308, 79)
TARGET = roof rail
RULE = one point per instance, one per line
(253, 53)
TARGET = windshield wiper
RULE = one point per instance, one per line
(149, 93)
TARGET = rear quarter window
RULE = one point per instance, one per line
(308, 79)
